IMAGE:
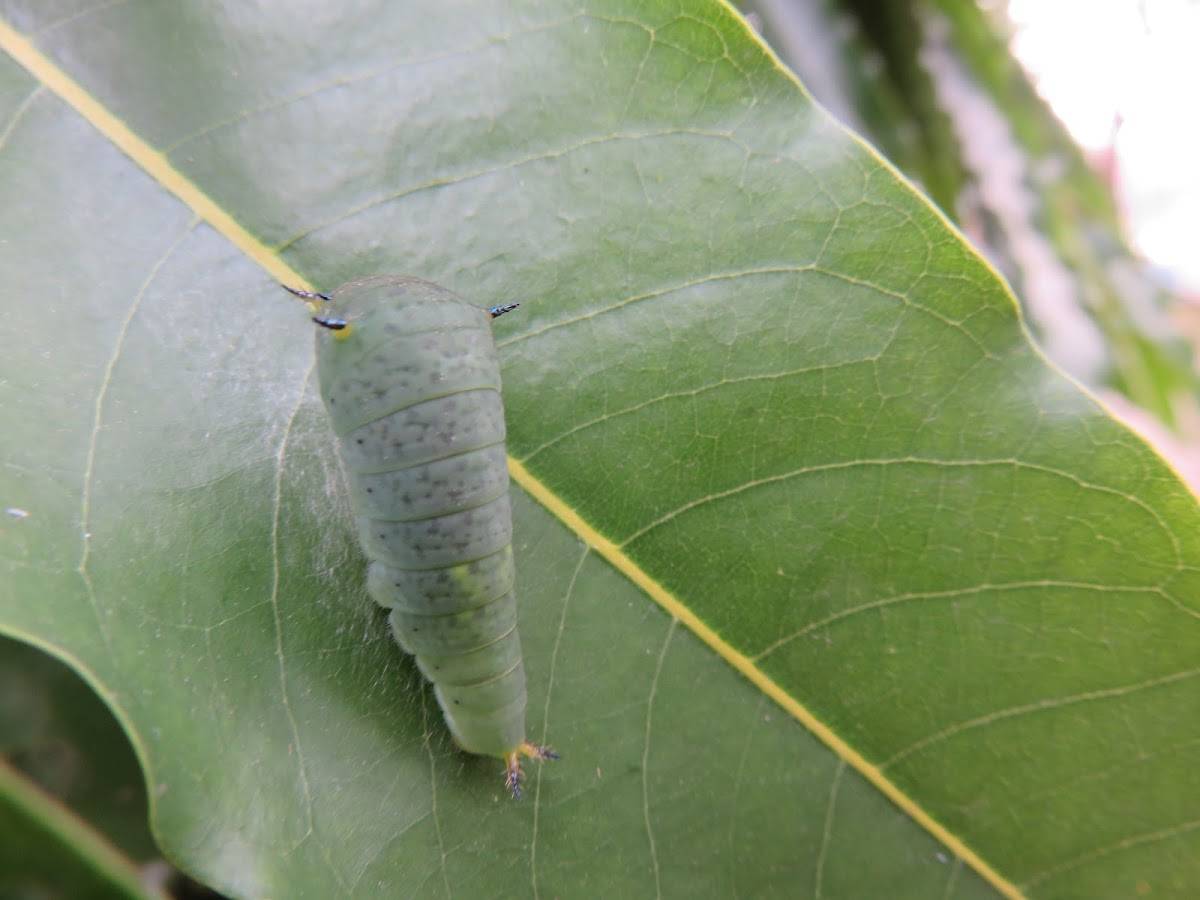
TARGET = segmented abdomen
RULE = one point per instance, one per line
(414, 395)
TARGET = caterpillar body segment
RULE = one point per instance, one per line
(410, 377)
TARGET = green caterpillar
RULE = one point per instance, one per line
(411, 379)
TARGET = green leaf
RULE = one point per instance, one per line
(47, 852)
(56, 732)
(830, 583)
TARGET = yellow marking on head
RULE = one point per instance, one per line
(342, 333)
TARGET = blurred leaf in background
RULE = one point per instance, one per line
(934, 85)
(55, 730)
(57, 735)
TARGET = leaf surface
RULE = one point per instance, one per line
(829, 582)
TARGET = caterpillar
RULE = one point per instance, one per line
(410, 378)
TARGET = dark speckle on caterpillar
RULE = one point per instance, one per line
(411, 379)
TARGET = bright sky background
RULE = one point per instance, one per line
(1139, 60)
